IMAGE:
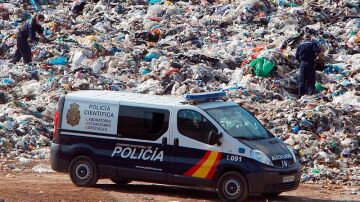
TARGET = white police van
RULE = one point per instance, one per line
(198, 140)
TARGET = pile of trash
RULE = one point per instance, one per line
(165, 47)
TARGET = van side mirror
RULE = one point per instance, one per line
(214, 138)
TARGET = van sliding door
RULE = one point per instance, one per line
(140, 150)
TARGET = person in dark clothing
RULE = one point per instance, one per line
(26, 34)
(306, 54)
(78, 7)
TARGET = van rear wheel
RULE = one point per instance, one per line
(232, 186)
(83, 171)
(120, 181)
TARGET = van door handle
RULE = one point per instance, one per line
(176, 142)
(164, 141)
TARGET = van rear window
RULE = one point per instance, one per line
(142, 123)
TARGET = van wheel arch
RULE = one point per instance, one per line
(222, 171)
(81, 153)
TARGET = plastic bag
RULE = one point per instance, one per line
(150, 56)
(58, 61)
(262, 66)
(152, 2)
(319, 87)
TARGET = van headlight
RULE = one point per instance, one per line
(261, 157)
(292, 153)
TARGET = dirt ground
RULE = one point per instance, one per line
(58, 187)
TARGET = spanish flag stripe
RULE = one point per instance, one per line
(213, 169)
(205, 168)
(198, 164)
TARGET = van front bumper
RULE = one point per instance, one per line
(274, 180)
(57, 163)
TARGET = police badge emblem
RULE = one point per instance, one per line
(73, 115)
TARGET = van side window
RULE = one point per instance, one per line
(194, 125)
(142, 123)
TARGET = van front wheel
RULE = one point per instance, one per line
(232, 186)
(83, 171)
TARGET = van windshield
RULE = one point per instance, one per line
(239, 123)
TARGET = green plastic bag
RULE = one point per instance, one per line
(319, 87)
(262, 66)
(315, 171)
(293, 4)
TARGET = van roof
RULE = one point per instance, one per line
(113, 97)
(117, 96)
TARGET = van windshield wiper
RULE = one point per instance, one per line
(250, 138)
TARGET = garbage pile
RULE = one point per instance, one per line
(163, 47)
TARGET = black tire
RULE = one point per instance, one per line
(83, 171)
(120, 181)
(232, 186)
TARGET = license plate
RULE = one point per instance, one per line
(289, 178)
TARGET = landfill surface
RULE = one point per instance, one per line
(245, 48)
(33, 187)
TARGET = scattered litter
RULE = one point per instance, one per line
(41, 168)
(244, 48)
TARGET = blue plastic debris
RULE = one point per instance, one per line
(145, 71)
(345, 83)
(331, 69)
(152, 2)
(295, 129)
(35, 5)
(47, 32)
(236, 87)
(6, 82)
(115, 50)
(150, 56)
(58, 61)
(337, 93)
